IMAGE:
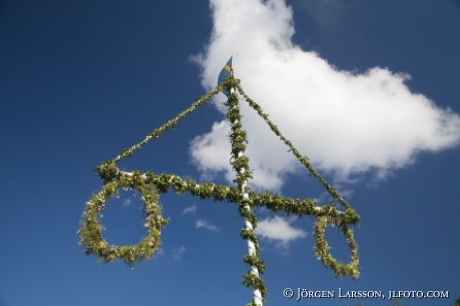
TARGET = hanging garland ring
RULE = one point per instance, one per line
(322, 248)
(91, 230)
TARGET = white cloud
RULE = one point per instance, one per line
(177, 253)
(212, 150)
(206, 225)
(127, 202)
(279, 229)
(346, 123)
(189, 210)
(160, 253)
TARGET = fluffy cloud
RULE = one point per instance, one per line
(177, 253)
(347, 123)
(191, 210)
(206, 225)
(279, 230)
(127, 202)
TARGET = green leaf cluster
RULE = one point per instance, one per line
(91, 238)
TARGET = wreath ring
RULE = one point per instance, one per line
(322, 248)
(91, 229)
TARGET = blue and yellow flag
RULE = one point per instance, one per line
(226, 71)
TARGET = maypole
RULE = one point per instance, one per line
(243, 174)
(339, 213)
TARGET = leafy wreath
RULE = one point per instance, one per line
(91, 231)
(322, 248)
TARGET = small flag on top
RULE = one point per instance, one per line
(226, 71)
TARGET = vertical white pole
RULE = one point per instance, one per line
(251, 246)
(249, 226)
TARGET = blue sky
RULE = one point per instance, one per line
(82, 80)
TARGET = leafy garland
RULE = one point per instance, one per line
(240, 164)
(91, 231)
(151, 185)
(322, 248)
